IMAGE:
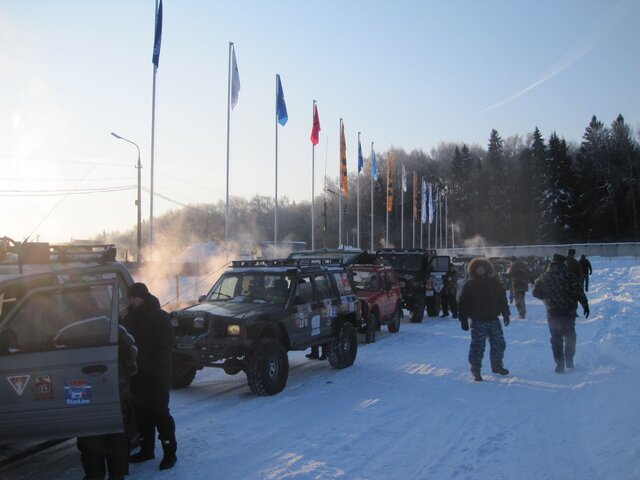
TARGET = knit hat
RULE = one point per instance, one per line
(139, 290)
(557, 258)
(572, 251)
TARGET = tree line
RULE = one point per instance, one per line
(518, 190)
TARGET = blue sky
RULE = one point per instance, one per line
(408, 74)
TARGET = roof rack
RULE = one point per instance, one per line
(34, 253)
(287, 262)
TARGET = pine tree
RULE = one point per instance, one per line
(498, 198)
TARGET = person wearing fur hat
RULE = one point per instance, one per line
(152, 331)
(560, 291)
(482, 299)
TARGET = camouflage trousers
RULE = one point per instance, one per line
(520, 305)
(479, 333)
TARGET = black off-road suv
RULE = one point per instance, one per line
(259, 310)
(420, 272)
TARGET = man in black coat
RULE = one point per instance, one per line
(482, 299)
(560, 291)
(586, 270)
(151, 328)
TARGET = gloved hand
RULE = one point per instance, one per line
(464, 323)
(506, 321)
(586, 312)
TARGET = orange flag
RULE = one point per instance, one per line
(343, 162)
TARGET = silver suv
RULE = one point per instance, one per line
(59, 312)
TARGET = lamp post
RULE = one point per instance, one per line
(138, 201)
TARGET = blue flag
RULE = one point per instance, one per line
(281, 106)
(374, 165)
(360, 159)
(158, 37)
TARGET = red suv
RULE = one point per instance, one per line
(379, 293)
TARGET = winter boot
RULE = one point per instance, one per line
(497, 367)
(147, 444)
(475, 371)
(169, 459)
(559, 367)
(568, 362)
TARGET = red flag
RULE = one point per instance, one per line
(315, 131)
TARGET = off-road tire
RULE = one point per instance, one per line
(342, 351)
(394, 323)
(182, 374)
(267, 368)
(417, 313)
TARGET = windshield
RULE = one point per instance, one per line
(251, 287)
(365, 280)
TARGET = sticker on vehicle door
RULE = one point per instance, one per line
(42, 388)
(19, 383)
(77, 392)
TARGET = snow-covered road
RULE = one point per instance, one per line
(408, 410)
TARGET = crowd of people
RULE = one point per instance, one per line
(483, 300)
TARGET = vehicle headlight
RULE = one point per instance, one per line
(233, 330)
(198, 322)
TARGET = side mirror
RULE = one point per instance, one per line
(201, 298)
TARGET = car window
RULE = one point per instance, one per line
(366, 280)
(305, 290)
(224, 289)
(322, 286)
(344, 284)
(59, 319)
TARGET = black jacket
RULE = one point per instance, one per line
(482, 298)
(152, 331)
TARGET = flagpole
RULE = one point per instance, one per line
(275, 217)
(313, 182)
(446, 219)
(372, 244)
(340, 189)
(415, 211)
(358, 196)
(402, 208)
(386, 233)
(226, 214)
(153, 142)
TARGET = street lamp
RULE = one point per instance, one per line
(138, 201)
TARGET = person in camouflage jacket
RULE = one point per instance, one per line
(560, 291)
(520, 277)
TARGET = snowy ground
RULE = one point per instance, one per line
(408, 410)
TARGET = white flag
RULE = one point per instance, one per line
(424, 202)
(404, 179)
(235, 79)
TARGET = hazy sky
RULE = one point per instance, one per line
(408, 74)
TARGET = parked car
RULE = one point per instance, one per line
(59, 313)
(420, 273)
(258, 311)
(380, 296)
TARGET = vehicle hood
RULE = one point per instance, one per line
(234, 309)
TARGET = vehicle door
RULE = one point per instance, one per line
(305, 313)
(327, 305)
(59, 360)
(389, 283)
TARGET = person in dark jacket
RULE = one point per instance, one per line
(151, 328)
(561, 292)
(482, 299)
(520, 277)
(450, 292)
(585, 264)
(100, 454)
(574, 266)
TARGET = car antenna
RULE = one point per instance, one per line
(59, 202)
